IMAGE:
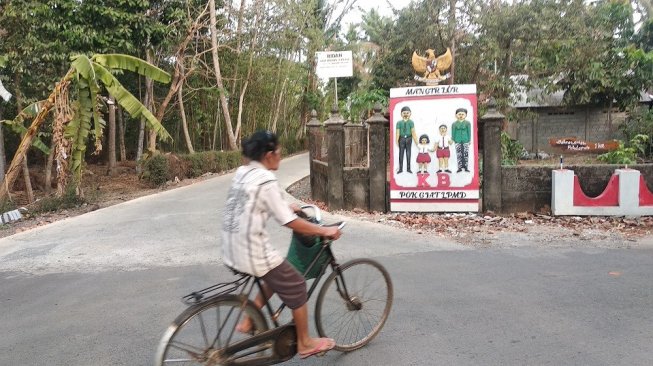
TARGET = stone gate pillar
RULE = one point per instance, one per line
(492, 122)
(377, 155)
(313, 127)
(336, 158)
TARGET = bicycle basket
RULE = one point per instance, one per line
(303, 250)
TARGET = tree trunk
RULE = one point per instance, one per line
(182, 112)
(3, 157)
(149, 91)
(177, 79)
(239, 27)
(121, 134)
(218, 77)
(111, 166)
(215, 129)
(26, 142)
(276, 112)
(149, 86)
(28, 183)
(258, 7)
(48, 171)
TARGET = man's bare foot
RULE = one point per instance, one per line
(316, 346)
(245, 326)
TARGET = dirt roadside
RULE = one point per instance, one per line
(475, 230)
(488, 230)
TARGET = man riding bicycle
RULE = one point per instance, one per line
(254, 196)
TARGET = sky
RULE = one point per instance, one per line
(380, 5)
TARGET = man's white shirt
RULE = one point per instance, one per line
(254, 196)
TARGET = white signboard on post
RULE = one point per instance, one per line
(336, 64)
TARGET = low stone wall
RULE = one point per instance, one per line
(528, 188)
(355, 145)
(356, 189)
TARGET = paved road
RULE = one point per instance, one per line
(99, 289)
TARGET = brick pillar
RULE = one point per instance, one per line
(313, 127)
(377, 155)
(336, 151)
(492, 122)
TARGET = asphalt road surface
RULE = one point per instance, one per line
(100, 289)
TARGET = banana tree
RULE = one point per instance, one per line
(75, 101)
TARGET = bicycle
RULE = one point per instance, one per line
(352, 306)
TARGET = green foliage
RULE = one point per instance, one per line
(639, 122)
(155, 170)
(627, 154)
(17, 125)
(362, 102)
(160, 168)
(510, 150)
(69, 199)
(292, 145)
(90, 73)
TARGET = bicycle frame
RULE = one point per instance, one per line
(331, 262)
(277, 331)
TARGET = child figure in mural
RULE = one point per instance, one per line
(423, 157)
(461, 133)
(405, 132)
(442, 151)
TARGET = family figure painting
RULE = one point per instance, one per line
(442, 144)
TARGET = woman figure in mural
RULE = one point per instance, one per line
(423, 157)
(405, 132)
(442, 151)
(461, 133)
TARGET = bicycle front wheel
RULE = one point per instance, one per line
(200, 334)
(353, 304)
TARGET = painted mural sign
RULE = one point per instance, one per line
(434, 149)
(572, 144)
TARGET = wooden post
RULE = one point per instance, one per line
(377, 155)
(336, 159)
(492, 122)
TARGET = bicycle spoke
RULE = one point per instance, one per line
(354, 303)
(200, 319)
(203, 340)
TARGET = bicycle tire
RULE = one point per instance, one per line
(335, 318)
(179, 344)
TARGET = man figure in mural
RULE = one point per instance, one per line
(442, 151)
(461, 133)
(405, 132)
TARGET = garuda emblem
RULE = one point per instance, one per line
(431, 68)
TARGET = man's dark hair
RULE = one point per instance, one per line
(405, 109)
(461, 110)
(258, 144)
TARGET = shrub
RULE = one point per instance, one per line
(627, 154)
(292, 145)
(511, 150)
(639, 122)
(155, 170)
(69, 199)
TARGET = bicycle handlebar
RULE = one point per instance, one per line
(318, 215)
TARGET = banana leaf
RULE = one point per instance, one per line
(131, 63)
(17, 124)
(132, 105)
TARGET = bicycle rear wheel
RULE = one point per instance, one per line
(199, 335)
(353, 305)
